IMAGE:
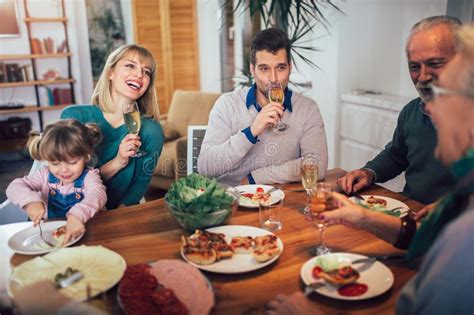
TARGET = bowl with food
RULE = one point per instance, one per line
(198, 202)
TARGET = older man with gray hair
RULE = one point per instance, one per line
(430, 47)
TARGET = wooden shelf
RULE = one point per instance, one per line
(32, 108)
(35, 56)
(44, 20)
(39, 82)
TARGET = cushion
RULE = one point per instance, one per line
(190, 108)
(169, 130)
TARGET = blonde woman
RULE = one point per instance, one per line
(128, 77)
(66, 188)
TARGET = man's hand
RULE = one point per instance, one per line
(74, 228)
(270, 114)
(35, 211)
(355, 180)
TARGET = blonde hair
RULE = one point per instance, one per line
(102, 97)
(64, 140)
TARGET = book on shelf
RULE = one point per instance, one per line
(48, 44)
(27, 74)
(36, 46)
(62, 96)
(62, 47)
(14, 72)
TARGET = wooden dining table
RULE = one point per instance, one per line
(147, 232)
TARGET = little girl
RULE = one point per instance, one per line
(65, 188)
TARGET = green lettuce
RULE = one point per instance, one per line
(198, 194)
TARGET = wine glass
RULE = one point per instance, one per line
(321, 201)
(132, 119)
(309, 178)
(277, 94)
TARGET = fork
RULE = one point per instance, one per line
(41, 235)
(75, 276)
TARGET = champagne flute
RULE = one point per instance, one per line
(277, 94)
(309, 178)
(322, 201)
(132, 119)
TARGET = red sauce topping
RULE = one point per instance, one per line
(247, 195)
(140, 293)
(353, 289)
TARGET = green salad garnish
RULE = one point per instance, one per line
(327, 264)
(198, 194)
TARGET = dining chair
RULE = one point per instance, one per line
(195, 137)
(10, 212)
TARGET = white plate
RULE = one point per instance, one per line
(28, 241)
(377, 276)
(391, 203)
(102, 269)
(276, 195)
(239, 262)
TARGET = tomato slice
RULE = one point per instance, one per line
(247, 195)
(260, 190)
(316, 271)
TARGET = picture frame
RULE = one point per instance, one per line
(10, 26)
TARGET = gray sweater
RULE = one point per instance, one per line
(228, 154)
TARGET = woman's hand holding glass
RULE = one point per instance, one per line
(346, 213)
(128, 148)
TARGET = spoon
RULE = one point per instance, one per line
(41, 235)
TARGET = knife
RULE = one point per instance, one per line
(374, 258)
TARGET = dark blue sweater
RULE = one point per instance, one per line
(412, 150)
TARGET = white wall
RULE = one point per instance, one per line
(209, 17)
(78, 43)
(366, 50)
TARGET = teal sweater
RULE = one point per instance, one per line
(412, 150)
(129, 185)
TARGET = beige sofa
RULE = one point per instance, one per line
(186, 108)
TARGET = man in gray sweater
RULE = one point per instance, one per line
(242, 145)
